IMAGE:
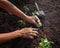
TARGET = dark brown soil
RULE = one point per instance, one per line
(50, 30)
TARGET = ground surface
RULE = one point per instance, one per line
(51, 26)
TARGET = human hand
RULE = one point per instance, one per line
(32, 20)
(27, 32)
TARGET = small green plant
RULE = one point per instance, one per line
(38, 21)
(45, 43)
(26, 8)
(34, 12)
(22, 23)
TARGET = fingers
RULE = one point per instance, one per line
(33, 34)
(36, 24)
(35, 29)
(35, 20)
(31, 37)
(29, 32)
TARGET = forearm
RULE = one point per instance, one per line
(8, 6)
(8, 36)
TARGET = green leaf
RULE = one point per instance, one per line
(34, 13)
(45, 43)
(39, 23)
(26, 8)
(45, 40)
(21, 22)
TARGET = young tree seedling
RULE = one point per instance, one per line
(45, 43)
(35, 13)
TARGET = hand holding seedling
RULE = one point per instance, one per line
(11, 8)
(32, 20)
(27, 32)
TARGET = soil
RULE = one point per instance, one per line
(50, 29)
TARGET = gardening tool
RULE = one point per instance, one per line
(40, 12)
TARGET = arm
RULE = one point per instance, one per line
(25, 33)
(8, 6)
(8, 36)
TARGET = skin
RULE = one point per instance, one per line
(25, 32)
